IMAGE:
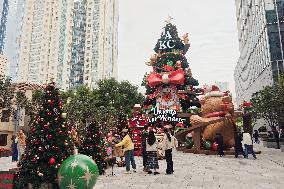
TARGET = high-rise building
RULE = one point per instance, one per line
(3, 23)
(261, 43)
(11, 12)
(45, 42)
(94, 42)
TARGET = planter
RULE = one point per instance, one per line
(5, 154)
(269, 144)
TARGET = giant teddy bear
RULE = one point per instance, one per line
(216, 105)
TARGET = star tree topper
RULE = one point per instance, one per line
(169, 19)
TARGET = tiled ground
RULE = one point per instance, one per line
(199, 171)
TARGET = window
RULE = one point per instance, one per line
(5, 116)
(3, 139)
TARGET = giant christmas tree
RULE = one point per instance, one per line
(170, 87)
(48, 143)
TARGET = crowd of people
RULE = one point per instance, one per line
(150, 146)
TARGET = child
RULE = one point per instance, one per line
(248, 144)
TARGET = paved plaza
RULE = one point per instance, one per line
(199, 171)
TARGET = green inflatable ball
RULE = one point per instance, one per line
(189, 143)
(207, 145)
(79, 171)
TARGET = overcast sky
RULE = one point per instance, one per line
(212, 29)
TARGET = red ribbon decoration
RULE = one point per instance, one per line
(175, 77)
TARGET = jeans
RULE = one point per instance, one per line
(169, 159)
(129, 157)
(247, 149)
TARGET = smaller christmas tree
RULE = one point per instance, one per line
(93, 146)
(48, 143)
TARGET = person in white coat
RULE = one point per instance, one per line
(247, 142)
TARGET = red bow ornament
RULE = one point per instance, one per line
(175, 77)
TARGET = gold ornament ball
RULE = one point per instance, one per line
(63, 115)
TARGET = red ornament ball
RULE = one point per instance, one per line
(52, 161)
(214, 146)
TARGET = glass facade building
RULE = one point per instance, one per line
(94, 42)
(78, 44)
(11, 12)
(3, 22)
(261, 43)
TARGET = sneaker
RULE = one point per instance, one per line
(150, 172)
(156, 173)
(127, 172)
(134, 170)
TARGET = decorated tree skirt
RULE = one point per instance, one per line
(6, 179)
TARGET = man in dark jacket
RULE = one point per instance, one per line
(238, 145)
(276, 136)
(219, 141)
(144, 136)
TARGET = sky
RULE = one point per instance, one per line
(212, 30)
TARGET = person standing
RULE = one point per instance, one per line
(14, 148)
(248, 144)
(219, 141)
(152, 157)
(276, 136)
(128, 151)
(168, 144)
(21, 143)
(256, 136)
(144, 152)
(238, 145)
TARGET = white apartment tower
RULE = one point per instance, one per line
(94, 43)
(45, 42)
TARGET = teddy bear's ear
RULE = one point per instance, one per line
(227, 99)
